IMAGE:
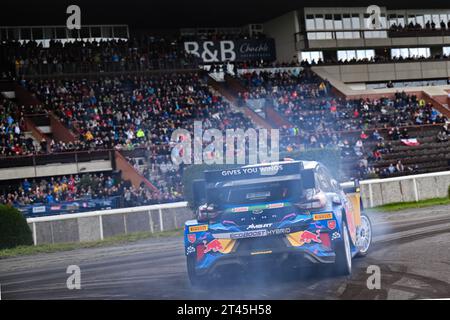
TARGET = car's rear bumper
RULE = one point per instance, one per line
(289, 256)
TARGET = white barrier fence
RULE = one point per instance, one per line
(419, 187)
(97, 225)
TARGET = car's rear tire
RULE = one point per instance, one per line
(343, 262)
(364, 236)
(194, 279)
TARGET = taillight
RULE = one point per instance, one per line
(207, 212)
(314, 200)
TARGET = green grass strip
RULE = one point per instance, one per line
(119, 239)
(392, 207)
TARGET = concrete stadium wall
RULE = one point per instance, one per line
(378, 192)
(54, 169)
(97, 225)
(283, 30)
(373, 72)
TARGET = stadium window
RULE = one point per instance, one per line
(420, 20)
(425, 52)
(427, 18)
(365, 54)
(310, 22)
(312, 55)
(320, 25)
(328, 22)
(404, 52)
(356, 22)
(324, 35)
(338, 22)
(312, 36)
(443, 18)
(383, 21)
(446, 51)
(410, 52)
(435, 19)
(347, 22)
(355, 54)
(392, 19)
(395, 53)
(401, 20)
(414, 52)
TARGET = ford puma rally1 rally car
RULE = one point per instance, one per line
(288, 212)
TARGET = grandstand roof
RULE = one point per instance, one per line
(169, 13)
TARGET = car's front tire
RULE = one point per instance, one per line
(343, 262)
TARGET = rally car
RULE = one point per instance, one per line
(287, 213)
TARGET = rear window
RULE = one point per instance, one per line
(256, 193)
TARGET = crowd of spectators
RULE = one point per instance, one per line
(31, 57)
(12, 126)
(56, 190)
(411, 26)
(318, 119)
(129, 112)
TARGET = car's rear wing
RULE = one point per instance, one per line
(250, 172)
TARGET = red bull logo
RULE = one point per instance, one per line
(307, 237)
(214, 246)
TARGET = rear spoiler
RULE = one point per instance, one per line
(351, 186)
(255, 171)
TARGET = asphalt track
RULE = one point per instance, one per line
(411, 248)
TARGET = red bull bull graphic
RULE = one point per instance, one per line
(307, 237)
(214, 246)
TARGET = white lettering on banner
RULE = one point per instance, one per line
(247, 48)
(224, 50)
(230, 50)
(192, 48)
(212, 55)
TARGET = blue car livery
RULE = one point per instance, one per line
(289, 212)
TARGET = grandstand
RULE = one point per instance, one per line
(86, 119)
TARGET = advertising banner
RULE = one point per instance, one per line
(232, 50)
